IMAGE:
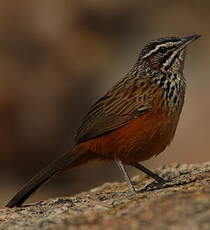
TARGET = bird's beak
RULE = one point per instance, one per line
(187, 40)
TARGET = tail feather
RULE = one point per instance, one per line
(49, 172)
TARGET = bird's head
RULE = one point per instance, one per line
(166, 54)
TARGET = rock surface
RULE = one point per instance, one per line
(182, 203)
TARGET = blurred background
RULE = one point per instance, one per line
(58, 56)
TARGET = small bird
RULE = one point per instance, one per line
(135, 120)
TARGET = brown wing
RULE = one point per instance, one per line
(126, 101)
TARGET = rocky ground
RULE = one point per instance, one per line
(183, 203)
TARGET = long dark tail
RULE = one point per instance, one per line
(66, 160)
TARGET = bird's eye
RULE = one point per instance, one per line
(162, 50)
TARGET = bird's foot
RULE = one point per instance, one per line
(155, 185)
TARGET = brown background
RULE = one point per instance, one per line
(58, 56)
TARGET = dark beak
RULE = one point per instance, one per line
(187, 40)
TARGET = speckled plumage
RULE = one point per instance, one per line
(133, 121)
(135, 94)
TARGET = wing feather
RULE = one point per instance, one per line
(119, 106)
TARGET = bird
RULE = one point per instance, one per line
(134, 121)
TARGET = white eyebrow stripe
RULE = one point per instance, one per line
(152, 51)
(157, 47)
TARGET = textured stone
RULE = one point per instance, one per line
(182, 203)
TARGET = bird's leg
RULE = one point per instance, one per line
(148, 172)
(125, 174)
(160, 181)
